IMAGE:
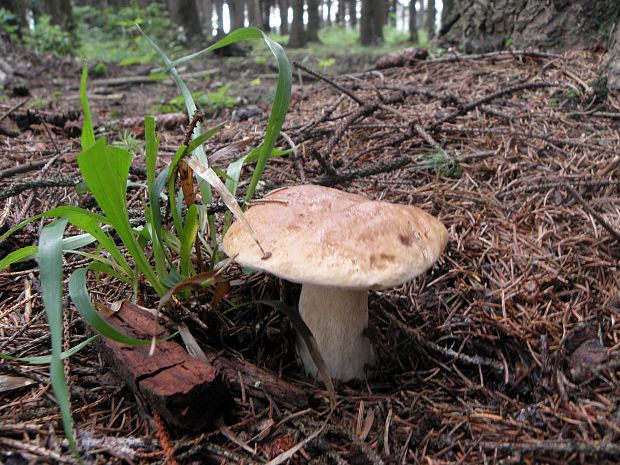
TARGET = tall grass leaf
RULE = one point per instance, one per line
(105, 170)
(79, 296)
(51, 276)
(151, 148)
(190, 229)
(19, 255)
(278, 112)
(281, 100)
(47, 359)
(202, 138)
(309, 340)
(82, 219)
(200, 279)
(88, 133)
(244, 33)
(100, 267)
(67, 211)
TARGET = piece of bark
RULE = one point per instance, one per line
(187, 393)
(260, 383)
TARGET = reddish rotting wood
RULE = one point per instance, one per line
(189, 394)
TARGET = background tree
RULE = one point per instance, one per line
(340, 13)
(283, 6)
(328, 11)
(312, 31)
(485, 25)
(205, 8)
(352, 10)
(254, 13)
(371, 23)
(413, 26)
(61, 13)
(431, 18)
(237, 13)
(219, 11)
(185, 13)
(297, 38)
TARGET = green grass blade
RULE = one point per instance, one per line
(281, 100)
(19, 255)
(47, 359)
(79, 296)
(245, 33)
(51, 276)
(202, 138)
(278, 112)
(105, 170)
(88, 133)
(151, 148)
(188, 237)
(67, 211)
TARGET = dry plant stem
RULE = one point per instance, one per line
(8, 172)
(332, 83)
(13, 108)
(337, 319)
(20, 187)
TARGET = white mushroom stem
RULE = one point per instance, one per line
(337, 318)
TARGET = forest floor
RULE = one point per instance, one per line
(507, 351)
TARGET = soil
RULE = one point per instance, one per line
(506, 351)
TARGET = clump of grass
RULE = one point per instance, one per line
(105, 169)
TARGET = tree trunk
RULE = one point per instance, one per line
(431, 17)
(371, 24)
(237, 16)
(254, 13)
(485, 25)
(297, 38)
(219, 11)
(60, 13)
(328, 5)
(18, 8)
(340, 13)
(265, 6)
(352, 12)
(206, 16)
(312, 33)
(185, 13)
(413, 27)
(283, 6)
(613, 61)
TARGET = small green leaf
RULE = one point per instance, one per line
(79, 295)
(47, 359)
(51, 275)
(88, 133)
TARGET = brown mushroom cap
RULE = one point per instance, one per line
(328, 237)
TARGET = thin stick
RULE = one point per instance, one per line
(332, 83)
(591, 211)
(16, 107)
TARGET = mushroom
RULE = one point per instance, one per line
(338, 246)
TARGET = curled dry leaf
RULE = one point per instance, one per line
(211, 177)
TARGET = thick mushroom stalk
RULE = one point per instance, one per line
(337, 318)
